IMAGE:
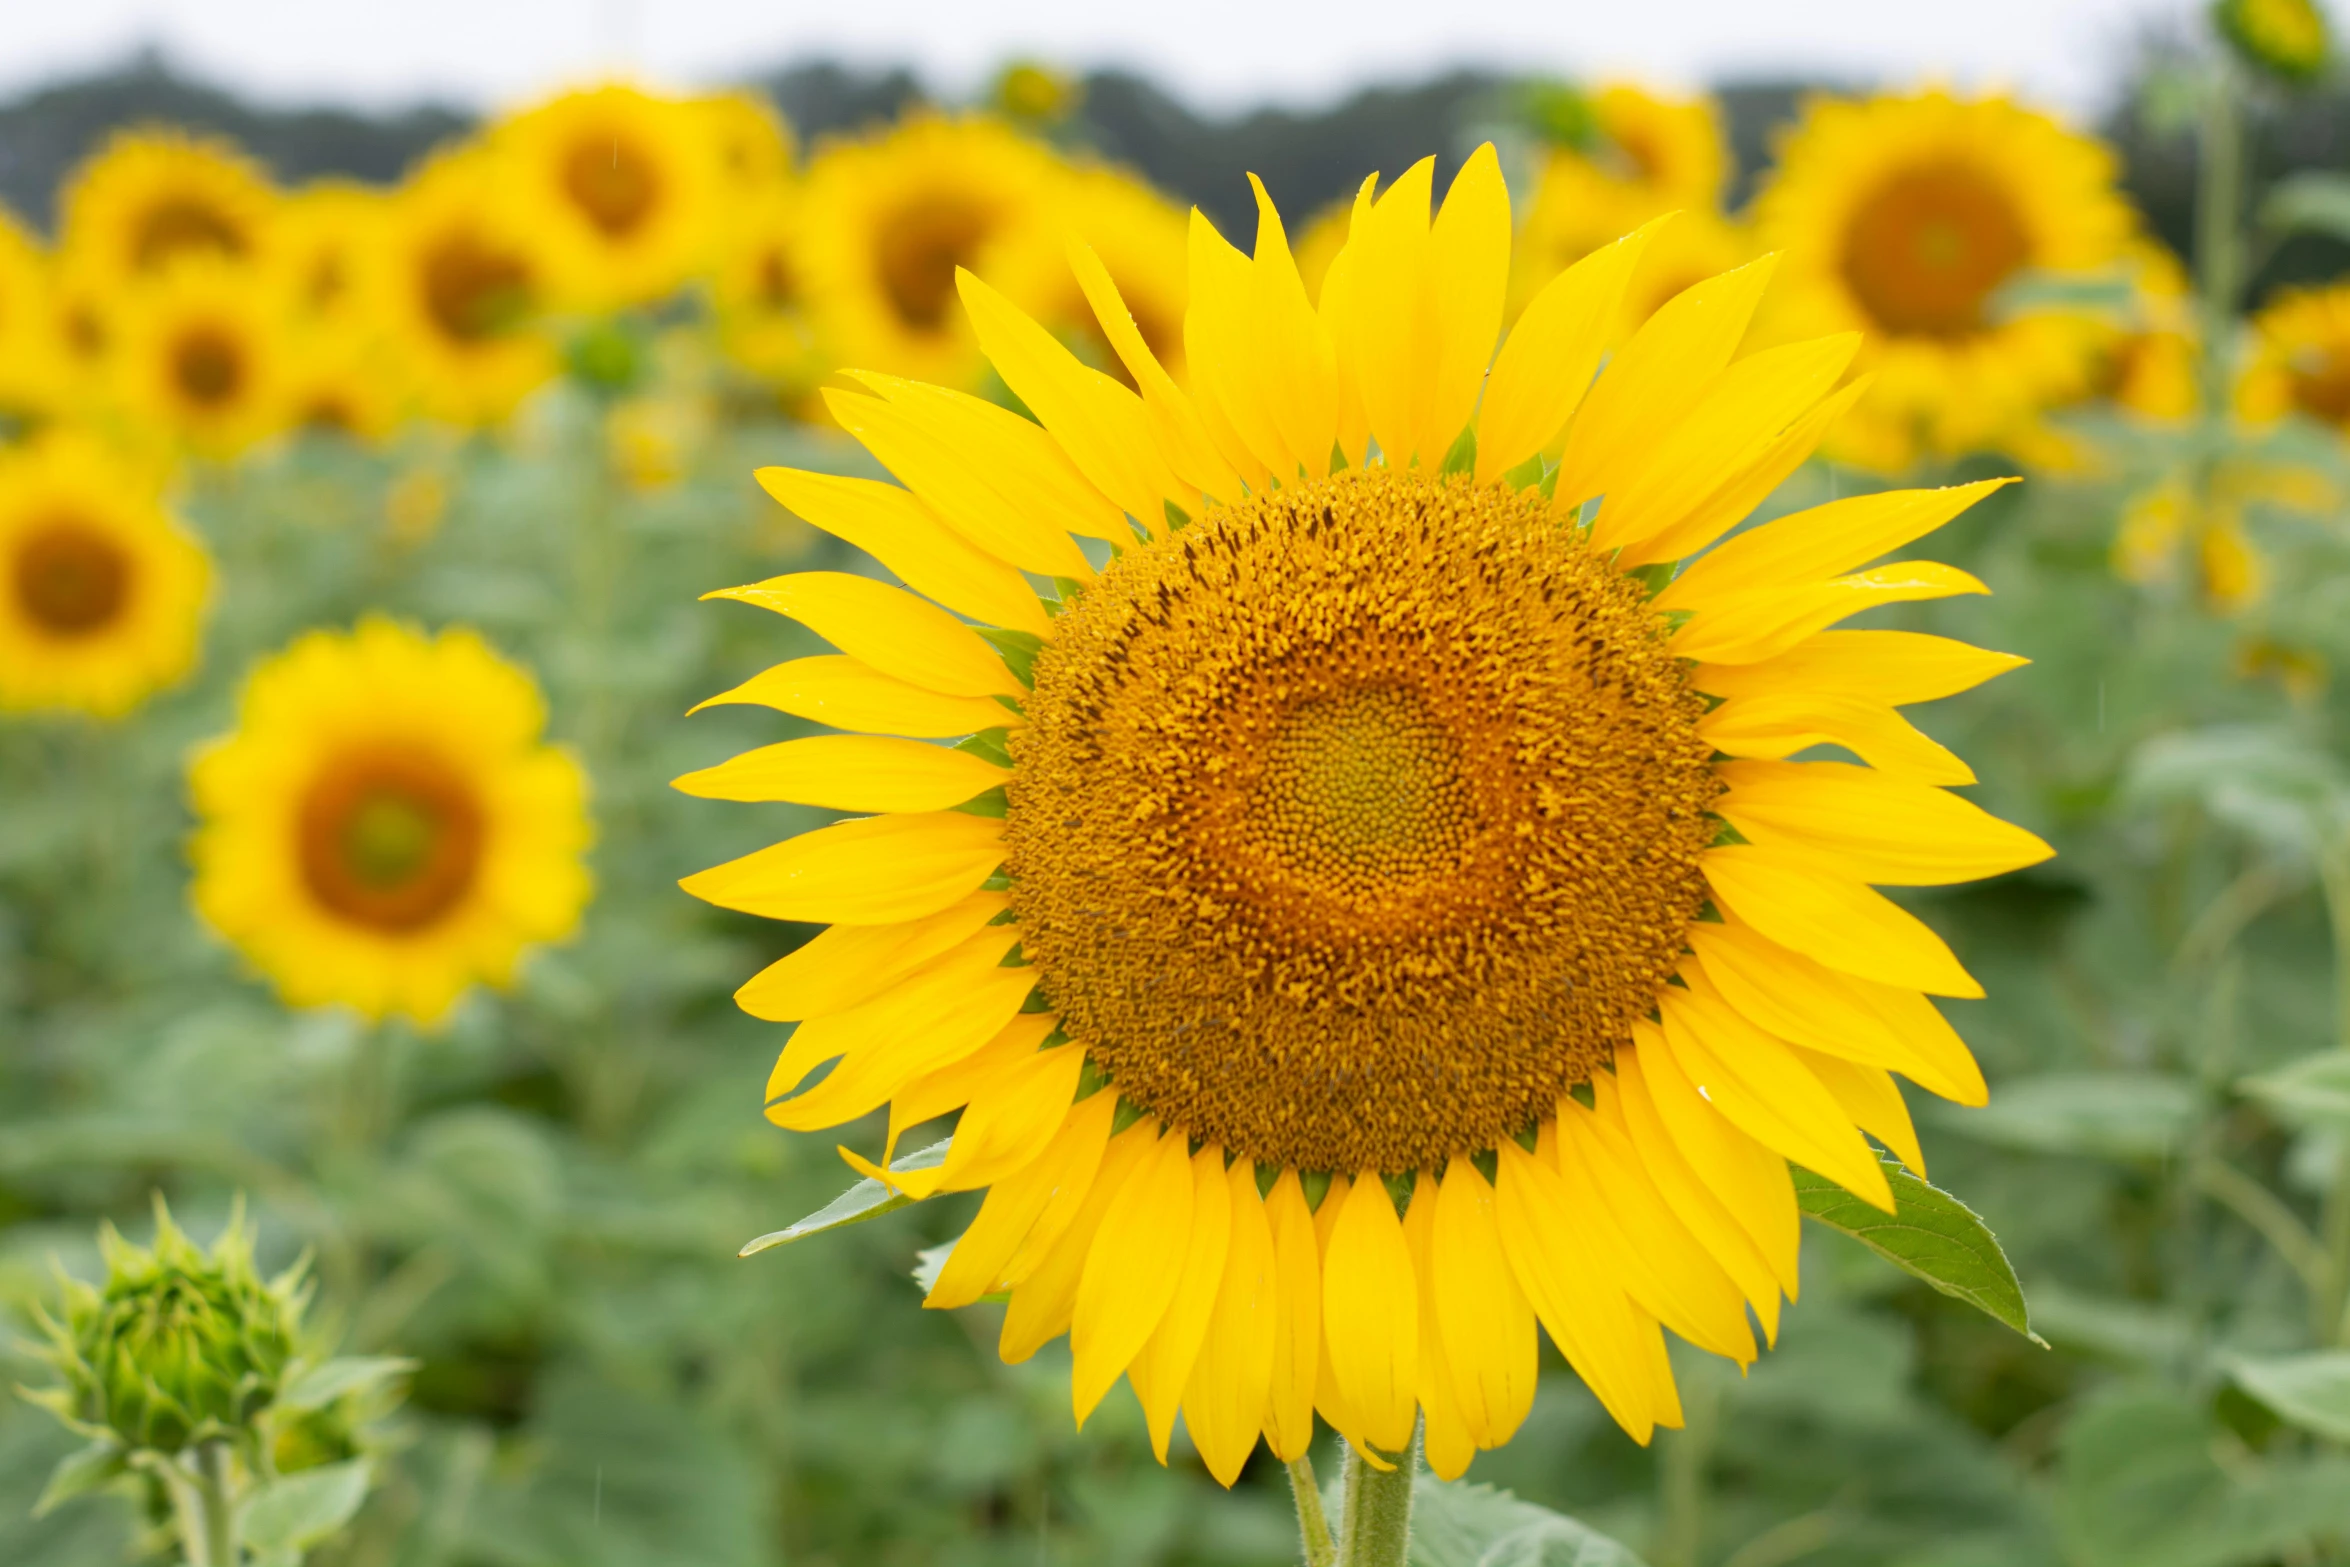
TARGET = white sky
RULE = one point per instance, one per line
(1218, 53)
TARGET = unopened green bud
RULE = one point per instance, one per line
(1036, 94)
(2286, 39)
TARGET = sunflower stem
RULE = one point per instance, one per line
(2219, 237)
(215, 1490)
(1313, 1525)
(1375, 1513)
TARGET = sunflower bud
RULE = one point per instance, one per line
(1035, 94)
(2285, 39)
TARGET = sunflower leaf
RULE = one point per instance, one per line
(1455, 1525)
(1930, 1234)
(2311, 1391)
(2309, 203)
(2313, 1092)
(868, 1199)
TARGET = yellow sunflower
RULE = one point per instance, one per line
(35, 378)
(102, 593)
(355, 386)
(386, 826)
(463, 290)
(760, 303)
(331, 238)
(1139, 236)
(1373, 910)
(153, 197)
(752, 142)
(888, 221)
(1902, 217)
(2152, 371)
(2300, 362)
(621, 189)
(199, 355)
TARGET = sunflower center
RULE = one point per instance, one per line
(473, 291)
(176, 227)
(916, 250)
(1925, 251)
(778, 284)
(2320, 379)
(71, 580)
(612, 182)
(208, 366)
(390, 839)
(1355, 823)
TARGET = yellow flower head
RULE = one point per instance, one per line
(2300, 361)
(386, 826)
(153, 198)
(465, 284)
(1371, 909)
(102, 593)
(887, 222)
(35, 375)
(331, 240)
(2152, 369)
(200, 355)
(760, 299)
(620, 189)
(751, 142)
(2288, 39)
(1903, 217)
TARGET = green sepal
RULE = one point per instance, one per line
(1012, 704)
(1037, 1002)
(1317, 1187)
(998, 880)
(1584, 1095)
(1127, 1113)
(1725, 835)
(1014, 958)
(1655, 577)
(868, 1199)
(1533, 473)
(1488, 1164)
(992, 802)
(332, 1380)
(989, 745)
(1019, 649)
(1268, 1176)
(1399, 1190)
(1338, 462)
(1461, 456)
(1091, 1080)
(1070, 589)
(1177, 518)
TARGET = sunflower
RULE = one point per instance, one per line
(1139, 236)
(153, 198)
(200, 356)
(34, 375)
(887, 223)
(331, 237)
(386, 826)
(352, 386)
(1374, 909)
(760, 304)
(464, 286)
(2300, 362)
(2152, 370)
(101, 593)
(1902, 217)
(751, 142)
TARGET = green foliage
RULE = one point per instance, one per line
(1929, 1234)
(1477, 1526)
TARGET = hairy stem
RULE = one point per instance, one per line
(216, 1491)
(1313, 1526)
(1375, 1519)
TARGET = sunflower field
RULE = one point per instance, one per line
(722, 849)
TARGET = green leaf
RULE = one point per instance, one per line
(2309, 203)
(2311, 1391)
(328, 1381)
(299, 1510)
(79, 1473)
(2312, 1092)
(2271, 784)
(1930, 1234)
(868, 1199)
(1477, 1526)
(2113, 1115)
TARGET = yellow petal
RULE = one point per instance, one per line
(1224, 1402)
(1222, 335)
(1132, 1273)
(848, 964)
(1750, 627)
(1444, 1429)
(873, 870)
(1161, 1372)
(977, 502)
(1873, 827)
(1873, 1102)
(1066, 1167)
(1047, 1267)
(956, 1084)
(1822, 541)
(1546, 366)
(848, 693)
(1750, 485)
(1338, 312)
(1175, 424)
(888, 628)
(1294, 347)
(1892, 667)
(1746, 1178)
(1588, 1317)
(1297, 1320)
(849, 773)
(1329, 1397)
(1777, 725)
(1814, 1006)
(1765, 1091)
(1469, 263)
(896, 529)
(1388, 314)
(1822, 914)
(1005, 1124)
(1370, 1316)
(1487, 1324)
(1648, 388)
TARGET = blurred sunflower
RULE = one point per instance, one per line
(2152, 369)
(1139, 236)
(102, 601)
(33, 371)
(2300, 360)
(464, 287)
(154, 197)
(1903, 217)
(756, 291)
(621, 191)
(200, 356)
(386, 826)
(331, 238)
(887, 222)
(350, 385)
(1323, 1012)
(751, 142)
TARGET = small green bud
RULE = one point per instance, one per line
(1036, 94)
(1560, 113)
(2289, 40)
(609, 357)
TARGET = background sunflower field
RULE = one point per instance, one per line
(266, 376)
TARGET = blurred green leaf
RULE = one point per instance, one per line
(1477, 1526)
(330, 1380)
(297, 1511)
(2271, 784)
(2309, 203)
(2311, 1391)
(2110, 295)
(81, 1472)
(2112, 1115)
(868, 1199)
(1930, 1234)
(2312, 1092)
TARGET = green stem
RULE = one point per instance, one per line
(216, 1486)
(2330, 1310)
(1313, 1526)
(1375, 1517)
(2219, 237)
(1684, 1460)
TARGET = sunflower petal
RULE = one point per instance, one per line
(1822, 541)
(887, 628)
(1224, 1403)
(846, 965)
(1545, 368)
(1744, 1176)
(1014, 1204)
(848, 693)
(1161, 1372)
(849, 773)
(1589, 1318)
(1874, 827)
(1183, 440)
(1469, 263)
(1004, 1124)
(873, 870)
(1370, 1316)
(1387, 313)
(1484, 1317)
(1776, 725)
(1751, 626)
(1873, 1101)
(1297, 1321)
(1444, 1429)
(1132, 1272)
(895, 528)
(1750, 485)
(1892, 667)
(1049, 1263)
(1831, 917)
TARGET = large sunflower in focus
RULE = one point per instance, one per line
(464, 286)
(152, 198)
(386, 826)
(1902, 217)
(620, 189)
(101, 592)
(1373, 909)
(2300, 361)
(888, 222)
(200, 356)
